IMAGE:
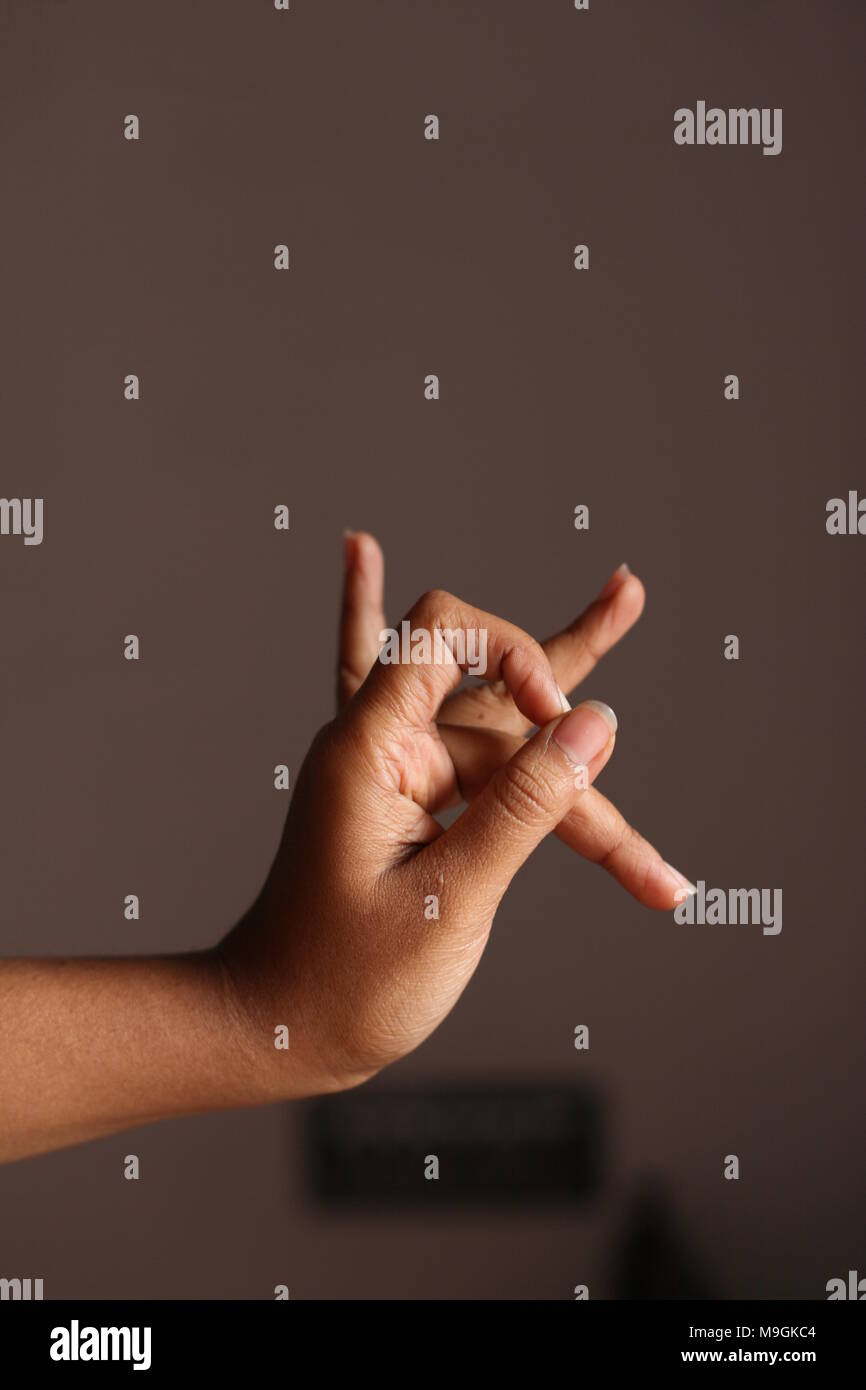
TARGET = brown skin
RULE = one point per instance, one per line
(482, 727)
(337, 946)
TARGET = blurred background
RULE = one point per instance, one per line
(601, 1167)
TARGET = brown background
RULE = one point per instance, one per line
(557, 388)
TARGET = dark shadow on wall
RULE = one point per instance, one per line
(481, 1145)
(472, 1144)
(654, 1259)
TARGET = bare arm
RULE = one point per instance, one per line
(89, 1047)
(342, 951)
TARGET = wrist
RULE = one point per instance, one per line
(264, 1035)
(278, 1043)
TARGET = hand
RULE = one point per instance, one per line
(340, 947)
(372, 919)
(482, 727)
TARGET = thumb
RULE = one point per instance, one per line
(526, 799)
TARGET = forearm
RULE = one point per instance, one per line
(92, 1046)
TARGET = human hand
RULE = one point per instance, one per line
(340, 947)
(482, 727)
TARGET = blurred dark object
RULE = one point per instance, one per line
(507, 1143)
(654, 1260)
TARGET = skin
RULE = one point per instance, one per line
(482, 728)
(337, 946)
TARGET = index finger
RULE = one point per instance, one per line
(440, 638)
(361, 616)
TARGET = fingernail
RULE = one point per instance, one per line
(585, 731)
(604, 711)
(566, 707)
(616, 581)
(348, 548)
(680, 879)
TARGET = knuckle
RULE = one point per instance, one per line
(323, 749)
(524, 795)
(334, 747)
(349, 676)
(582, 649)
(652, 877)
(620, 833)
(321, 739)
(433, 604)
